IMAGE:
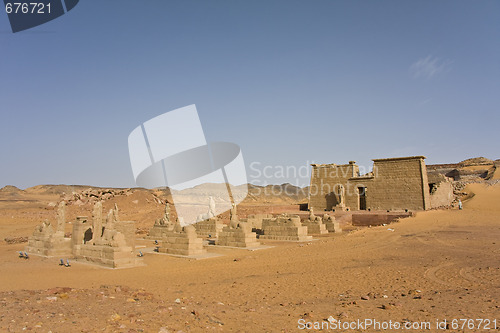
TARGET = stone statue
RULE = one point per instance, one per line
(211, 207)
(167, 213)
(233, 213)
(115, 213)
(46, 228)
(311, 214)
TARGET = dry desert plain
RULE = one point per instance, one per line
(441, 264)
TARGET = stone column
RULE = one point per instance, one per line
(97, 221)
(61, 218)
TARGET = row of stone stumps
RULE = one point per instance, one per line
(240, 233)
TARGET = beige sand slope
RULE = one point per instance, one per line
(438, 265)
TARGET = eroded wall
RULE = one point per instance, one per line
(395, 184)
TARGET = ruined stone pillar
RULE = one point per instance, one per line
(97, 222)
(233, 216)
(61, 217)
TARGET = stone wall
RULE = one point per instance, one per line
(399, 183)
(442, 194)
(394, 184)
(325, 184)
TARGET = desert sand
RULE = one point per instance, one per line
(440, 264)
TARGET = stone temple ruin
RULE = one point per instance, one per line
(48, 242)
(284, 227)
(106, 241)
(162, 225)
(182, 241)
(238, 233)
(394, 184)
(209, 226)
(315, 225)
(331, 224)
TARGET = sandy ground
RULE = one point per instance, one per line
(441, 264)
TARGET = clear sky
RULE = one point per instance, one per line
(292, 82)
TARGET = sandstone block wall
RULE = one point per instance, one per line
(394, 184)
(315, 228)
(242, 236)
(210, 227)
(284, 228)
(49, 246)
(182, 241)
(442, 195)
(399, 183)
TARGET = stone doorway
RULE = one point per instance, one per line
(362, 198)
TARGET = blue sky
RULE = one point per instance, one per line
(292, 82)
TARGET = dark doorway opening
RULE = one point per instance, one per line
(87, 236)
(331, 200)
(362, 198)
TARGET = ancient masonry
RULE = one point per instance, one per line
(162, 225)
(331, 224)
(315, 225)
(209, 228)
(48, 242)
(255, 221)
(182, 241)
(238, 233)
(284, 227)
(107, 241)
(394, 184)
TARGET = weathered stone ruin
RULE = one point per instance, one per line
(48, 242)
(314, 224)
(106, 241)
(394, 184)
(331, 224)
(182, 241)
(255, 221)
(284, 227)
(162, 225)
(441, 190)
(238, 233)
(209, 228)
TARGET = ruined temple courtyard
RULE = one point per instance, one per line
(437, 264)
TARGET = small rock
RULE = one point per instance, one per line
(365, 298)
(115, 317)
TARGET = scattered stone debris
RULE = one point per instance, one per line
(92, 195)
(15, 240)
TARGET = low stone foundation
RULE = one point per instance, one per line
(331, 224)
(209, 228)
(286, 228)
(240, 236)
(182, 241)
